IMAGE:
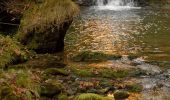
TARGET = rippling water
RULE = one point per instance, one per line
(139, 31)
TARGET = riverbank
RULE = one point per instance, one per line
(108, 54)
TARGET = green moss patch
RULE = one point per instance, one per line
(90, 71)
(94, 56)
(121, 95)
(51, 88)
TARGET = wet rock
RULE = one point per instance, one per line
(150, 69)
(51, 88)
(91, 96)
(56, 71)
(86, 2)
(119, 95)
(134, 88)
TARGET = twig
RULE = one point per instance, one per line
(9, 24)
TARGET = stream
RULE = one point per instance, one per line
(118, 27)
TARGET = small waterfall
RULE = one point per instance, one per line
(116, 4)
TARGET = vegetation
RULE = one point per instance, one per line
(19, 84)
(90, 71)
(11, 51)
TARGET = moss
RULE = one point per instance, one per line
(41, 16)
(109, 73)
(94, 56)
(11, 51)
(56, 71)
(51, 88)
(134, 88)
(90, 96)
(84, 72)
(62, 97)
(119, 95)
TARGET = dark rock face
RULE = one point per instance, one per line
(86, 2)
(53, 39)
(8, 21)
(49, 41)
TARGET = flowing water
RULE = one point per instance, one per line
(120, 27)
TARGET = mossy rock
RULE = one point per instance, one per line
(91, 96)
(56, 71)
(51, 89)
(134, 88)
(119, 95)
(44, 26)
(108, 73)
(62, 97)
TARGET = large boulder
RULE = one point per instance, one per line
(44, 26)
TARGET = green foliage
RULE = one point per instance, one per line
(11, 51)
(90, 96)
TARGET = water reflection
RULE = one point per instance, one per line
(143, 32)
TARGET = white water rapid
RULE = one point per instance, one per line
(116, 4)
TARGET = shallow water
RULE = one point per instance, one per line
(125, 31)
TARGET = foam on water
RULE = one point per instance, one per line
(116, 5)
